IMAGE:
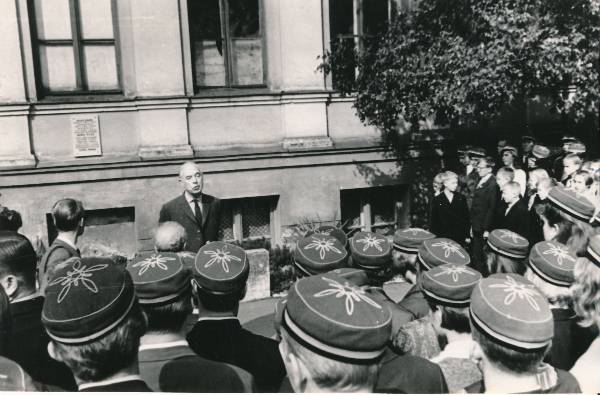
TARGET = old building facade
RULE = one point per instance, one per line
(102, 100)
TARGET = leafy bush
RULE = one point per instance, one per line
(281, 268)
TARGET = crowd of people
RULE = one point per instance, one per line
(500, 294)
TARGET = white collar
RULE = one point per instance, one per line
(67, 242)
(190, 199)
(458, 349)
(26, 298)
(217, 318)
(484, 179)
(155, 346)
(130, 377)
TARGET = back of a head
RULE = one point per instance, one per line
(506, 172)
(17, 257)
(67, 214)
(170, 236)
(10, 219)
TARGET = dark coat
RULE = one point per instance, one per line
(516, 219)
(29, 346)
(123, 386)
(226, 341)
(450, 219)
(179, 210)
(483, 208)
(409, 374)
(570, 339)
(58, 252)
(175, 369)
(467, 184)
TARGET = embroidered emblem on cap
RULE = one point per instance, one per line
(521, 290)
(507, 234)
(221, 256)
(326, 232)
(371, 241)
(415, 231)
(449, 248)
(352, 294)
(73, 277)
(154, 261)
(559, 252)
(454, 272)
(323, 246)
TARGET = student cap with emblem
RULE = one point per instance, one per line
(553, 262)
(370, 250)
(410, 239)
(540, 151)
(510, 149)
(450, 284)
(334, 318)
(508, 243)
(319, 253)
(329, 230)
(439, 251)
(158, 277)
(571, 202)
(86, 299)
(512, 311)
(221, 268)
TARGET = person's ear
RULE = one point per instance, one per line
(297, 372)
(52, 352)
(10, 283)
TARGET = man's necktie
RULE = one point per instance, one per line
(197, 212)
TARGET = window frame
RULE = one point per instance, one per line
(366, 200)
(77, 43)
(237, 219)
(227, 53)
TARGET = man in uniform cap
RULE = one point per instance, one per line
(509, 157)
(506, 252)
(318, 253)
(164, 289)
(219, 274)
(28, 345)
(513, 327)
(95, 323)
(538, 158)
(406, 243)
(551, 269)
(448, 288)
(333, 335)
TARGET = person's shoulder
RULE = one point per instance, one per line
(173, 201)
(58, 252)
(13, 377)
(210, 198)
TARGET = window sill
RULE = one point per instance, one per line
(83, 98)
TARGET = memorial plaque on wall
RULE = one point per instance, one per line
(86, 135)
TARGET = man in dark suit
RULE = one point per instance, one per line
(198, 213)
(515, 216)
(449, 212)
(483, 208)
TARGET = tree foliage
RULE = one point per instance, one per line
(465, 62)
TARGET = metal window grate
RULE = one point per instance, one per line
(256, 217)
(226, 226)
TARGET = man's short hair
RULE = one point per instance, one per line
(509, 358)
(10, 219)
(17, 257)
(506, 172)
(67, 214)
(170, 236)
(588, 179)
(219, 303)
(512, 186)
(453, 318)
(103, 357)
(332, 374)
(170, 317)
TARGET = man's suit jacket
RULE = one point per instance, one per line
(483, 208)
(179, 210)
(517, 219)
(467, 184)
(450, 219)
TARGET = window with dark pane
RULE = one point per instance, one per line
(256, 217)
(227, 43)
(75, 46)
(375, 209)
(351, 206)
(226, 225)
